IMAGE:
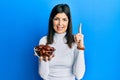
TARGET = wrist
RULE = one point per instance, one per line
(81, 48)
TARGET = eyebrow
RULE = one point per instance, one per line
(62, 18)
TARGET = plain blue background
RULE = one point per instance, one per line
(24, 22)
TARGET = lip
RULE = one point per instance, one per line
(60, 28)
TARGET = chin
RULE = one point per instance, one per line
(60, 32)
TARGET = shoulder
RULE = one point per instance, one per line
(43, 40)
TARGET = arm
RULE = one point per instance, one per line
(79, 64)
(43, 66)
(44, 69)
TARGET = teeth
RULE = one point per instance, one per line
(59, 28)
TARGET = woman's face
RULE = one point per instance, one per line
(60, 23)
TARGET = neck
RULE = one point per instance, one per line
(60, 37)
(60, 34)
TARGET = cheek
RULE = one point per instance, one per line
(54, 27)
(65, 28)
(54, 23)
(66, 25)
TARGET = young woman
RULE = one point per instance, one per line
(68, 61)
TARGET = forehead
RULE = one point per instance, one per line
(61, 15)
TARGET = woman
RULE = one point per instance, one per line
(68, 62)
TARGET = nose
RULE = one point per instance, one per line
(60, 22)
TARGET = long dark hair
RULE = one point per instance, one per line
(60, 8)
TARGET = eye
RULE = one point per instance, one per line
(56, 18)
(65, 19)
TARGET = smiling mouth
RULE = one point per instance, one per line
(60, 28)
